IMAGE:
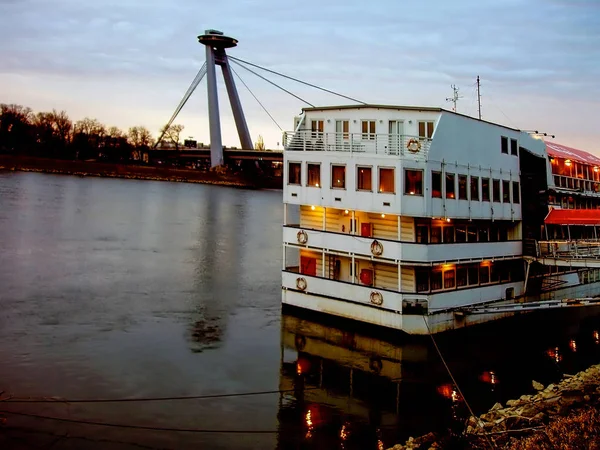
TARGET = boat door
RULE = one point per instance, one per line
(395, 133)
(342, 135)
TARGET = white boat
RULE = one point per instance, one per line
(425, 220)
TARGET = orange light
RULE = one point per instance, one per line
(489, 377)
(596, 169)
(345, 211)
(568, 162)
(383, 216)
(448, 219)
(573, 345)
(317, 185)
(312, 207)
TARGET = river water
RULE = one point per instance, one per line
(123, 289)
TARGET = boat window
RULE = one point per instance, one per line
(422, 277)
(413, 184)
(484, 274)
(422, 234)
(338, 176)
(436, 235)
(386, 180)
(425, 129)
(473, 275)
(294, 173)
(449, 279)
(461, 233)
(450, 186)
(474, 188)
(496, 190)
(515, 192)
(316, 127)
(503, 233)
(314, 174)
(462, 187)
(448, 235)
(483, 234)
(504, 144)
(513, 147)
(363, 178)
(461, 276)
(368, 129)
(505, 191)
(485, 189)
(471, 234)
(436, 280)
(436, 184)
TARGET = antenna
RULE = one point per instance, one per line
(454, 97)
(479, 97)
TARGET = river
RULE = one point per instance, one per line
(123, 289)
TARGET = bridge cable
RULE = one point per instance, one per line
(490, 442)
(196, 81)
(255, 98)
(274, 84)
(297, 80)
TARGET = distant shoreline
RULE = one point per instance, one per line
(128, 171)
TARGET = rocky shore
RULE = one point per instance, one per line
(574, 401)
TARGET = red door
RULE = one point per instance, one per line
(308, 266)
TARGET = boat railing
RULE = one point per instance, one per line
(576, 184)
(569, 249)
(401, 145)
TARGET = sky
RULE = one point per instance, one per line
(129, 62)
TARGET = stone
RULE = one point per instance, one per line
(537, 386)
(496, 407)
(512, 402)
(586, 398)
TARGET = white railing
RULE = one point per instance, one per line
(382, 144)
(576, 249)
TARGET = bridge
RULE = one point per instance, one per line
(216, 45)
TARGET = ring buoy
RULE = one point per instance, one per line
(413, 145)
(376, 248)
(300, 342)
(302, 237)
(376, 298)
(301, 283)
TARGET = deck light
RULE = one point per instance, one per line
(312, 207)
(573, 345)
(448, 219)
(568, 162)
(596, 169)
(383, 216)
(345, 211)
(317, 185)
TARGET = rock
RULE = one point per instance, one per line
(537, 386)
(586, 398)
(512, 402)
(398, 447)
(496, 407)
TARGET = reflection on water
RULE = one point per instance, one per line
(351, 389)
(121, 288)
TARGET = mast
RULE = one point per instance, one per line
(454, 97)
(478, 97)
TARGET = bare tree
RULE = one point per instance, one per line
(260, 144)
(140, 136)
(172, 134)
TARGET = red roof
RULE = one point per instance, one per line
(573, 217)
(561, 151)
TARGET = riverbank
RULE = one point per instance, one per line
(561, 415)
(136, 172)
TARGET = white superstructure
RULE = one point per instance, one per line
(400, 216)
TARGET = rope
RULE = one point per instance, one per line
(139, 427)
(492, 445)
(255, 98)
(297, 80)
(195, 82)
(274, 84)
(148, 399)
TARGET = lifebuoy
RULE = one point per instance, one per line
(376, 298)
(375, 364)
(301, 283)
(413, 145)
(376, 248)
(302, 237)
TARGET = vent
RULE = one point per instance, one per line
(386, 203)
(338, 199)
(294, 195)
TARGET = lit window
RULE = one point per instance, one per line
(294, 173)
(436, 235)
(368, 129)
(436, 184)
(450, 186)
(474, 188)
(363, 178)
(515, 192)
(485, 189)
(462, 187)
(338, 177)
(314, 175)
(505, 191)
(449, 279)
(386, 180)
(413, 182)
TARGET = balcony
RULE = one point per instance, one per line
(403, 251)
(413, 147)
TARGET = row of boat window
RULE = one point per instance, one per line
(451, 232)
(570, 202)
(468, 187)
(467, 275)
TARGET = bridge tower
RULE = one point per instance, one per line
(216, 43)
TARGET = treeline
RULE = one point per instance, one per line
(54, 135)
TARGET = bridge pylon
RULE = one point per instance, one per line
(216, 43)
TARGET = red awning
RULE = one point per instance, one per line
(573, 217)
(561, 151)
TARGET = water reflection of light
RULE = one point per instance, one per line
(380, 445)
(448, 391)
(302, 366)
(309, 424)
(596, 337)
(573, 345)
(343, 433)
(554, 353)
(489, 377)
